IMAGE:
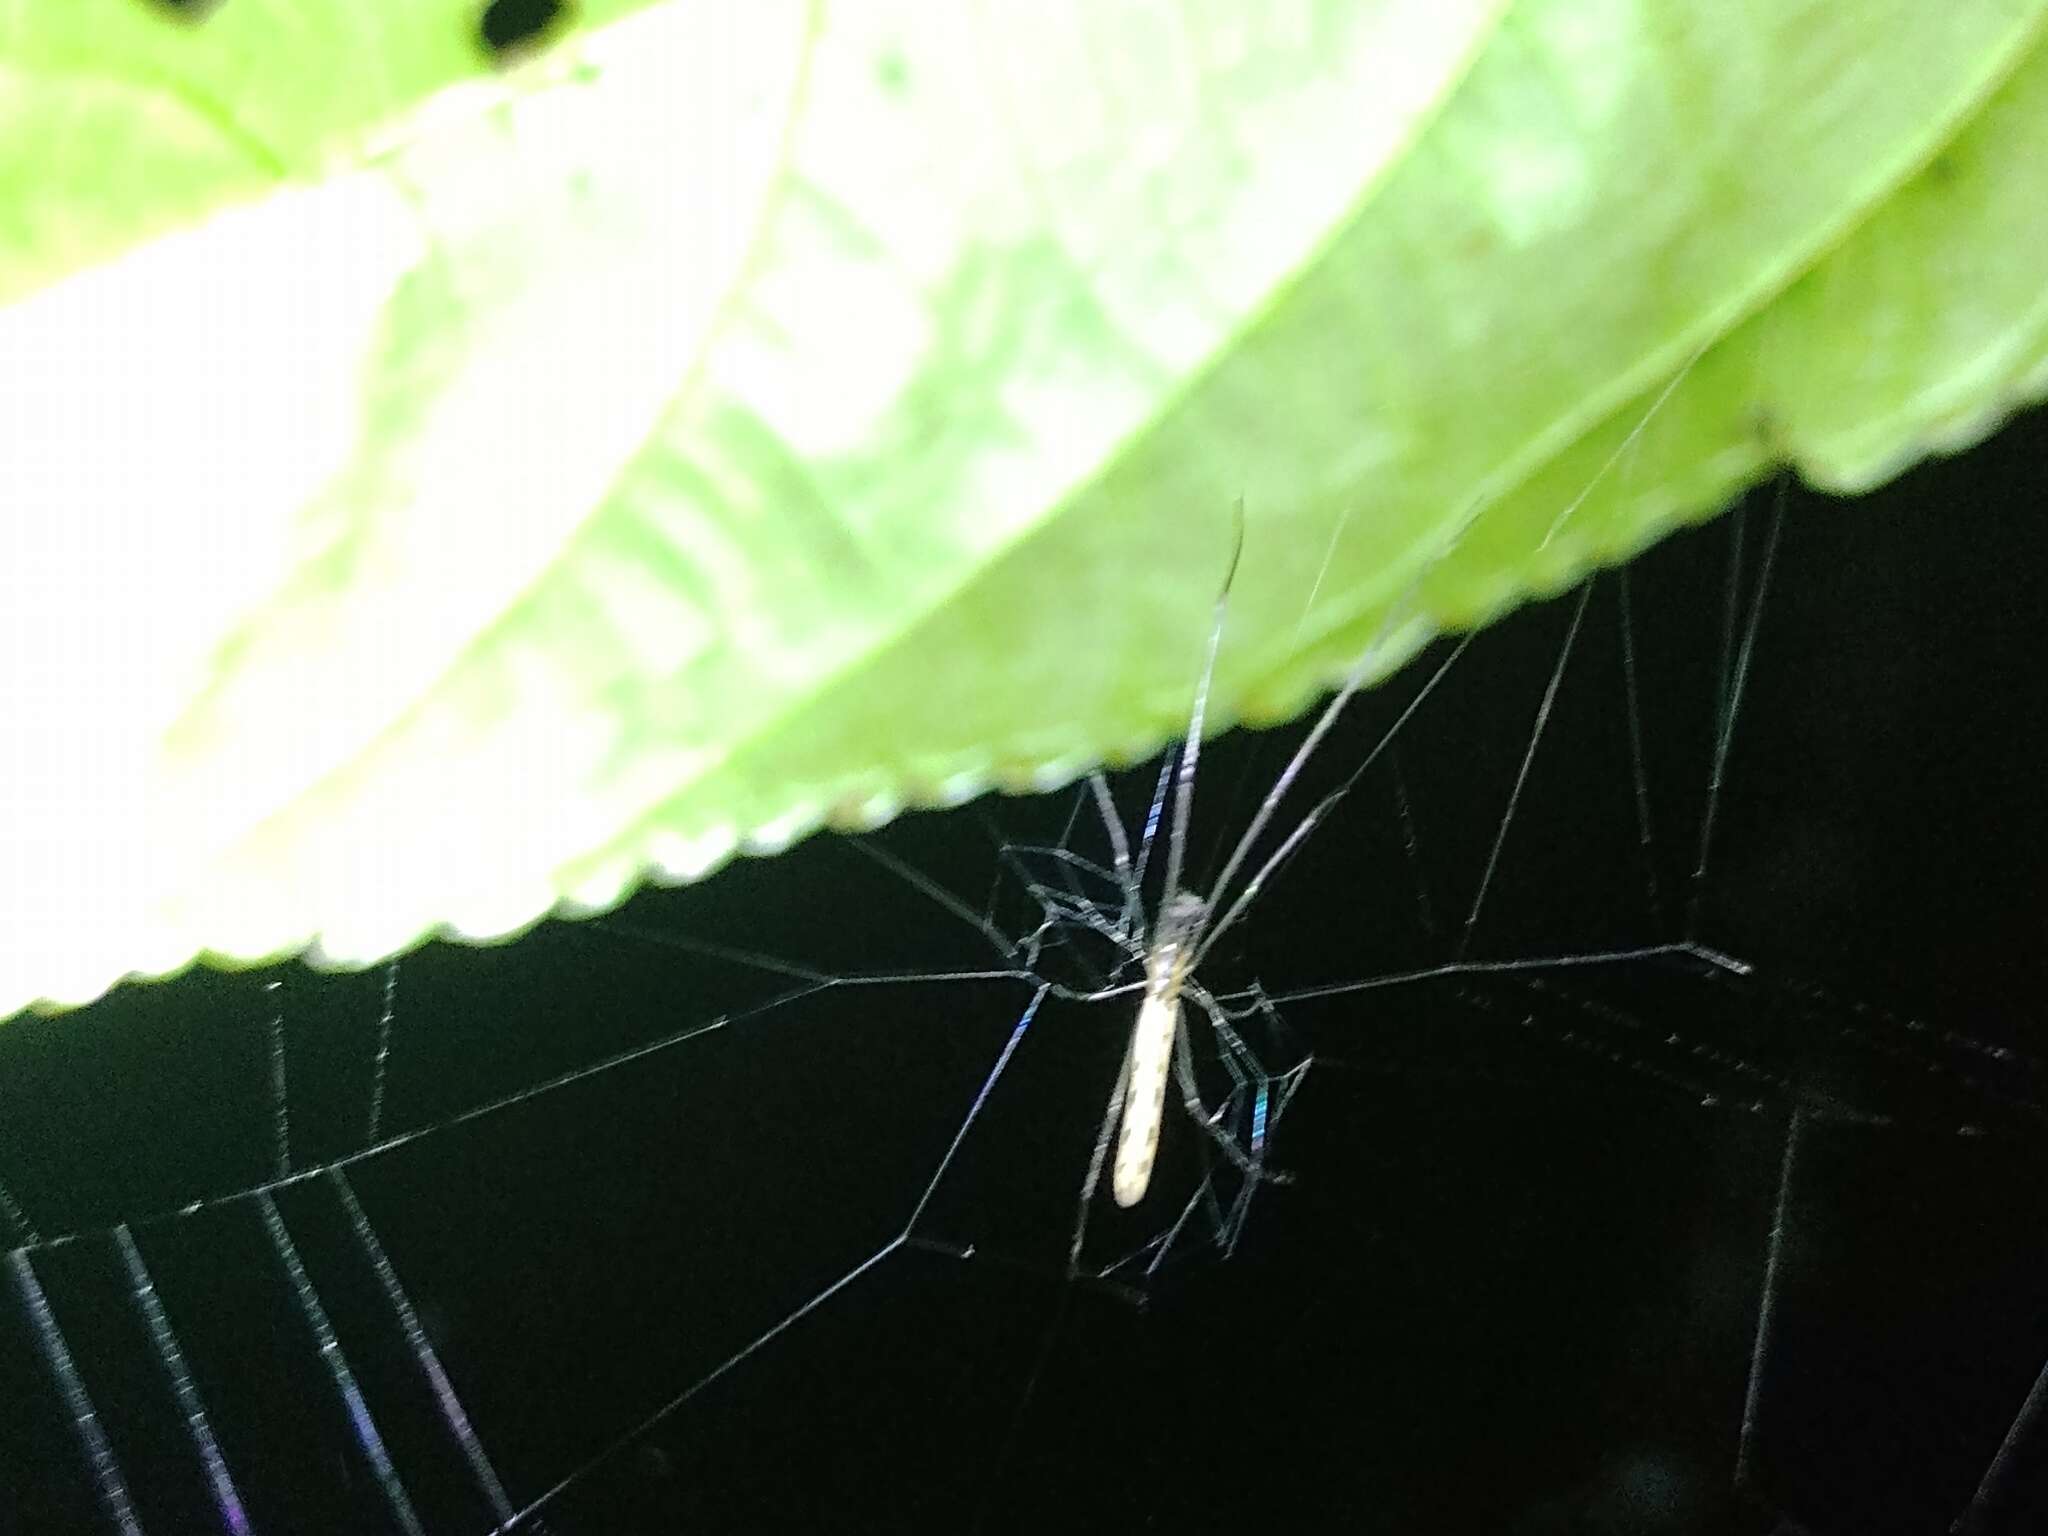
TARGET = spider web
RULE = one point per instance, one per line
(1617, 1204)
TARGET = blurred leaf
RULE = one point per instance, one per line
(438, 495)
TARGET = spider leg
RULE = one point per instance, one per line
(1127, 877)
(1096, 1159)
(1234, 1057)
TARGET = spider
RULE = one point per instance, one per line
(1166, 946)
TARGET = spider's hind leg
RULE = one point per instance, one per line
(1255, 1094)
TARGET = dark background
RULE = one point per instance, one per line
(1517, 1282)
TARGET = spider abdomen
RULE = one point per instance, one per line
(1137, 1142)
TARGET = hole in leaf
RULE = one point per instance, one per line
(508, 27)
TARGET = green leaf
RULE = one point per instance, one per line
(435, 497)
